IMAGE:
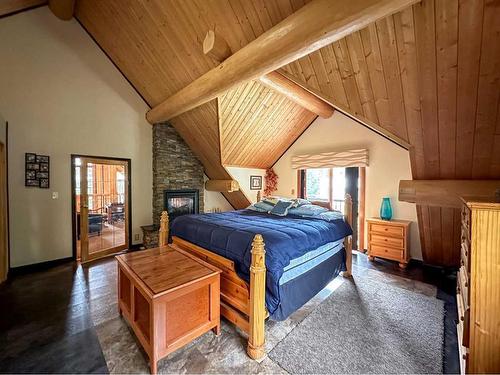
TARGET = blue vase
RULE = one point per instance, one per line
(386, 209)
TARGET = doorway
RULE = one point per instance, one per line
(100, 207)
(327, 187)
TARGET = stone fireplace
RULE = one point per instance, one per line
(181, 202)
(175, 168)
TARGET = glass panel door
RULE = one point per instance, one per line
(101, 191)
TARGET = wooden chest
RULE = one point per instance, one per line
(389, 240)
(478, 287)
(169, 298)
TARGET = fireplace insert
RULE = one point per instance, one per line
(181, 202)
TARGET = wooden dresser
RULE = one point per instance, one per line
(389, 240)
(478, 287)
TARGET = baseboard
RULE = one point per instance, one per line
(30, 268)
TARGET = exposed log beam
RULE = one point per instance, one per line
(62, 9)
(362, 120)
(315, 25)
(297, 94)
(217, 48)
(445, 193)
(228, 186)
(14, 6)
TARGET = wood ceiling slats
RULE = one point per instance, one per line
(390, 66)
(446, 67)
(469, 52)
(488, 92)
(405, 36)
(426, 60)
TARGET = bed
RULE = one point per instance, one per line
(271, 265)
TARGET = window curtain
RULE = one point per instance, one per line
(351, 158)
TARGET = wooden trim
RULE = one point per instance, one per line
(361, 208)
(128, 193)
(4, 220)
(316, 24)
(348, 239)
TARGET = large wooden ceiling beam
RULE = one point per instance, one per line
(217, 48)
(445, 193)
(315, 25)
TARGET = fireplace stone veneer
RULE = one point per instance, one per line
(175, 168)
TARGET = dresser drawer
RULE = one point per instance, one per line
(387, 229)
(380, 239)
(386, 252)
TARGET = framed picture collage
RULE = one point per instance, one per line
(37, 170)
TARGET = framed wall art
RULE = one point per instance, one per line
(36, 170)
(255, 182)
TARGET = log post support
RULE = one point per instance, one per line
(348, 239)
(256, 337)
(163, 233)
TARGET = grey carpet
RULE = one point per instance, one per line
(367, 326)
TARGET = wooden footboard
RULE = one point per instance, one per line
(242, 303)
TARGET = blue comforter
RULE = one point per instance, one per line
(230, 234)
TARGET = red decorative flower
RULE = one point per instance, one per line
(271, 179)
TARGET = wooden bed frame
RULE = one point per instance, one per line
(244, 304)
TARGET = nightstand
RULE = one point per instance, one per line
(389, 239)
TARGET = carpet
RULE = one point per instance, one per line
(367, 325)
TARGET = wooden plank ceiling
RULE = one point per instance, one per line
(430, 75)
(258, 125)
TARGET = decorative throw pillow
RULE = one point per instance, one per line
(281, 208)
(261, 206)
(308, 210)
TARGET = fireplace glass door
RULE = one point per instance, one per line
(101, 202)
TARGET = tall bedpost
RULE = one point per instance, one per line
(256, 336)
(163, 233)
(348, 239)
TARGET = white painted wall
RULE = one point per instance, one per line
(242, 175)
(216, 201)
(62, 95)
(389, 163)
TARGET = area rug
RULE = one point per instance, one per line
(368, 325)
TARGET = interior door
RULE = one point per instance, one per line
(103, 213)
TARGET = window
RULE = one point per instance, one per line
(318, 184)
(326, 185)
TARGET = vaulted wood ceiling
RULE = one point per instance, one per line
(428, 75)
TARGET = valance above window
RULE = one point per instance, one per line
(351, 158)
